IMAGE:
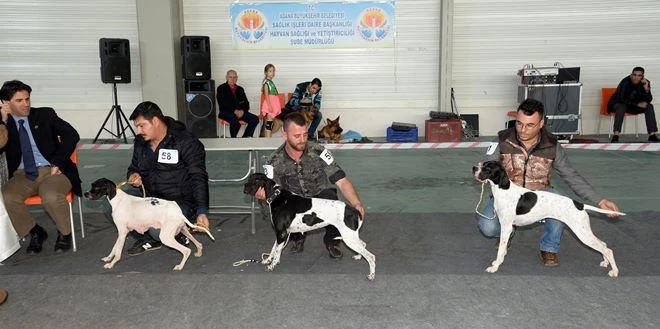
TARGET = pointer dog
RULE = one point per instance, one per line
(291, 213)
(139, 214)
(516, 205)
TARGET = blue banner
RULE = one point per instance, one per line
(313, 25)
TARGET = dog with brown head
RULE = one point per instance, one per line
(331, 132)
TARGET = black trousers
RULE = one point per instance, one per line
(331, 232)
(621, 109)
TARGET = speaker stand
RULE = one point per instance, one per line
(122, 122)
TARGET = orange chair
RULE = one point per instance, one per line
(35, 200)
(606, 94)
(225, 124)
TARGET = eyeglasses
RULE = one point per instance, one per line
(528, 126)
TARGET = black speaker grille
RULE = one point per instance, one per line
(115, 60)
(200, 105)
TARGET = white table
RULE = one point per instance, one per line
(252, 146)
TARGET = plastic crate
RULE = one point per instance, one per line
(401, 136)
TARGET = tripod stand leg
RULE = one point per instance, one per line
(103, 125)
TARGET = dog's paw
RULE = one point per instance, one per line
(198, 253)
(371, 277)
(178, 268)
(106, 259)
(357, 257)
(108, 265)
(604, 263)
(492, 269)
(613, 273)
(270, 268)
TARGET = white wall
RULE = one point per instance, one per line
(53, 46)
(493, 39)
(369, 88)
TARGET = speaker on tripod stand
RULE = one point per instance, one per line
(115, 68)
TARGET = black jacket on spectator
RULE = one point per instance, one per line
(629, 94)
(229, 102)
(184, 181)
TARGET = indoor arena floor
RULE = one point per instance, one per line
(421, 226)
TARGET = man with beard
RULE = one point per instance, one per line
(309, 169)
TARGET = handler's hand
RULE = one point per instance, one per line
(609, 205)
(261, 194)
(135, 180)
(202, 221)
(55, 170)
(360, 209)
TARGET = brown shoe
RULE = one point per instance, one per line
(549, 258)
(3, 296)
(297, 246)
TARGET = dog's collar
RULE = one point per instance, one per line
(273, 196)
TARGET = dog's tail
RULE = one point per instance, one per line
(199, 227)
(603, 211)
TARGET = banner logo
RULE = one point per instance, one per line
(251, 26)
(374, 25)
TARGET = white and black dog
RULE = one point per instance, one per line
(516, 205)
(139, 214)
(291, 213)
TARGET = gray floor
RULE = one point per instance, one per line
(420, 224)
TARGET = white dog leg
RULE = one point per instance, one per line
(358, 256)
(586, 235)
(352, 240)
(275, 255)
(171, 242)
(192, 239)
(115, 253)
(505, 235)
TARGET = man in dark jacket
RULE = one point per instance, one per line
(234, 106)
(171, 164)
(307, 94)
(633, 95)
(38, 154)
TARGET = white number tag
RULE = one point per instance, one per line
(268, 171)
(491, 148)
(327, 157)
(168, 156)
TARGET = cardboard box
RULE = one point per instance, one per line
(439, 131)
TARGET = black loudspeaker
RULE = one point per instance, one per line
(115, 60)
(200, 117)
(196, 57)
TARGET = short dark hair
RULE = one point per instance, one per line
(317, 81)
(10, 88)
(531, 106)
(295, 117)
(638, 68)
(148, 110)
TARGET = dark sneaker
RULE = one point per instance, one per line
(654, 138)
(180, 238)
(615, 139)
(140, 247)
(297, 246)
(334, 252)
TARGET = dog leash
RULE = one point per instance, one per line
(476, 209)
(264, 255)
(144, 193)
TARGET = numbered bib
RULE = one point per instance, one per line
(326, 156)
(168, 156)
(491, 148)
(268, 171)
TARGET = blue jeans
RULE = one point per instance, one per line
(152, 235)
(552, 228)
(314, 124)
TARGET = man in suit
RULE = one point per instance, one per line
(234, 106)
(38, 159)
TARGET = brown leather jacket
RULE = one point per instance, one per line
(531, 169)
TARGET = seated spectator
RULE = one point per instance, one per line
(234, 106)
(307, 94)
(8, 238)
(38, 154)
(633, 95)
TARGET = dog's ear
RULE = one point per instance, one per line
(497, 174)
